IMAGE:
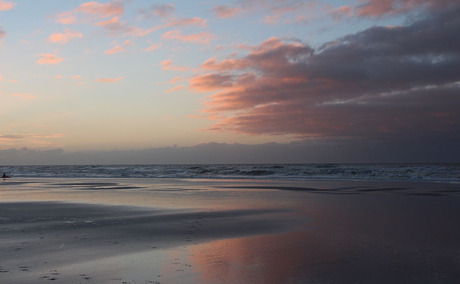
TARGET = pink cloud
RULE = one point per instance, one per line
(2, 33)
(93, 8)
(197, 21)
(211, 82)
(138, 32)
(280, 10)
(153, 47)
(110, 80)
(133, 31)
(66, 18)
(288, 11)
(49, 58)
(34, 140)
(272, 12)
(175, 89)
(5, 5)
(25, 96)
(176, 80)
(199, 38)
(377, 8)
(342, 12)
(168, 65)
(64, 37)
(102, 10)
(226, 64)
(118, 48)
(225, 11)
(112, 12)
(114, 25)
(271, 19)
(8, 80)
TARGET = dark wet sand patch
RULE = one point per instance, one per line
(427, 194)
(110, 188)
(350, 188)
(9, 182)
(173, 189)
(293, 188)
(88, 184)
(338, 190)
(449, 190)
(98, 186)
(383, 189)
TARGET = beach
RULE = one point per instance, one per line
(113, 230)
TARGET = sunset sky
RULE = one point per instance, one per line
(131, 75)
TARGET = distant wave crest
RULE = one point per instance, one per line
(397, 172)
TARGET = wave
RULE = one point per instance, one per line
(397, 172)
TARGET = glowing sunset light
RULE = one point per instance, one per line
(337, 73)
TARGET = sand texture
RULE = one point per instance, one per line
(227, 231)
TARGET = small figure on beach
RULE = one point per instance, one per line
(5, 175)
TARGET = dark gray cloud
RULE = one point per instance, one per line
(381, 83)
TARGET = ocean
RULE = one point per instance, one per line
(448, 173)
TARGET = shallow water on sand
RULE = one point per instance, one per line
(228, 231)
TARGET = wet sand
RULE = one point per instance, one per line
(228, 231)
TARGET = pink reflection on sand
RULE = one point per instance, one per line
(262, 259)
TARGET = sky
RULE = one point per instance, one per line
(210, 81)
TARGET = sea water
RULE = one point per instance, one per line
(449, 173)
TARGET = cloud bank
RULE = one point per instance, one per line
(380, 83)
(330, 151)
